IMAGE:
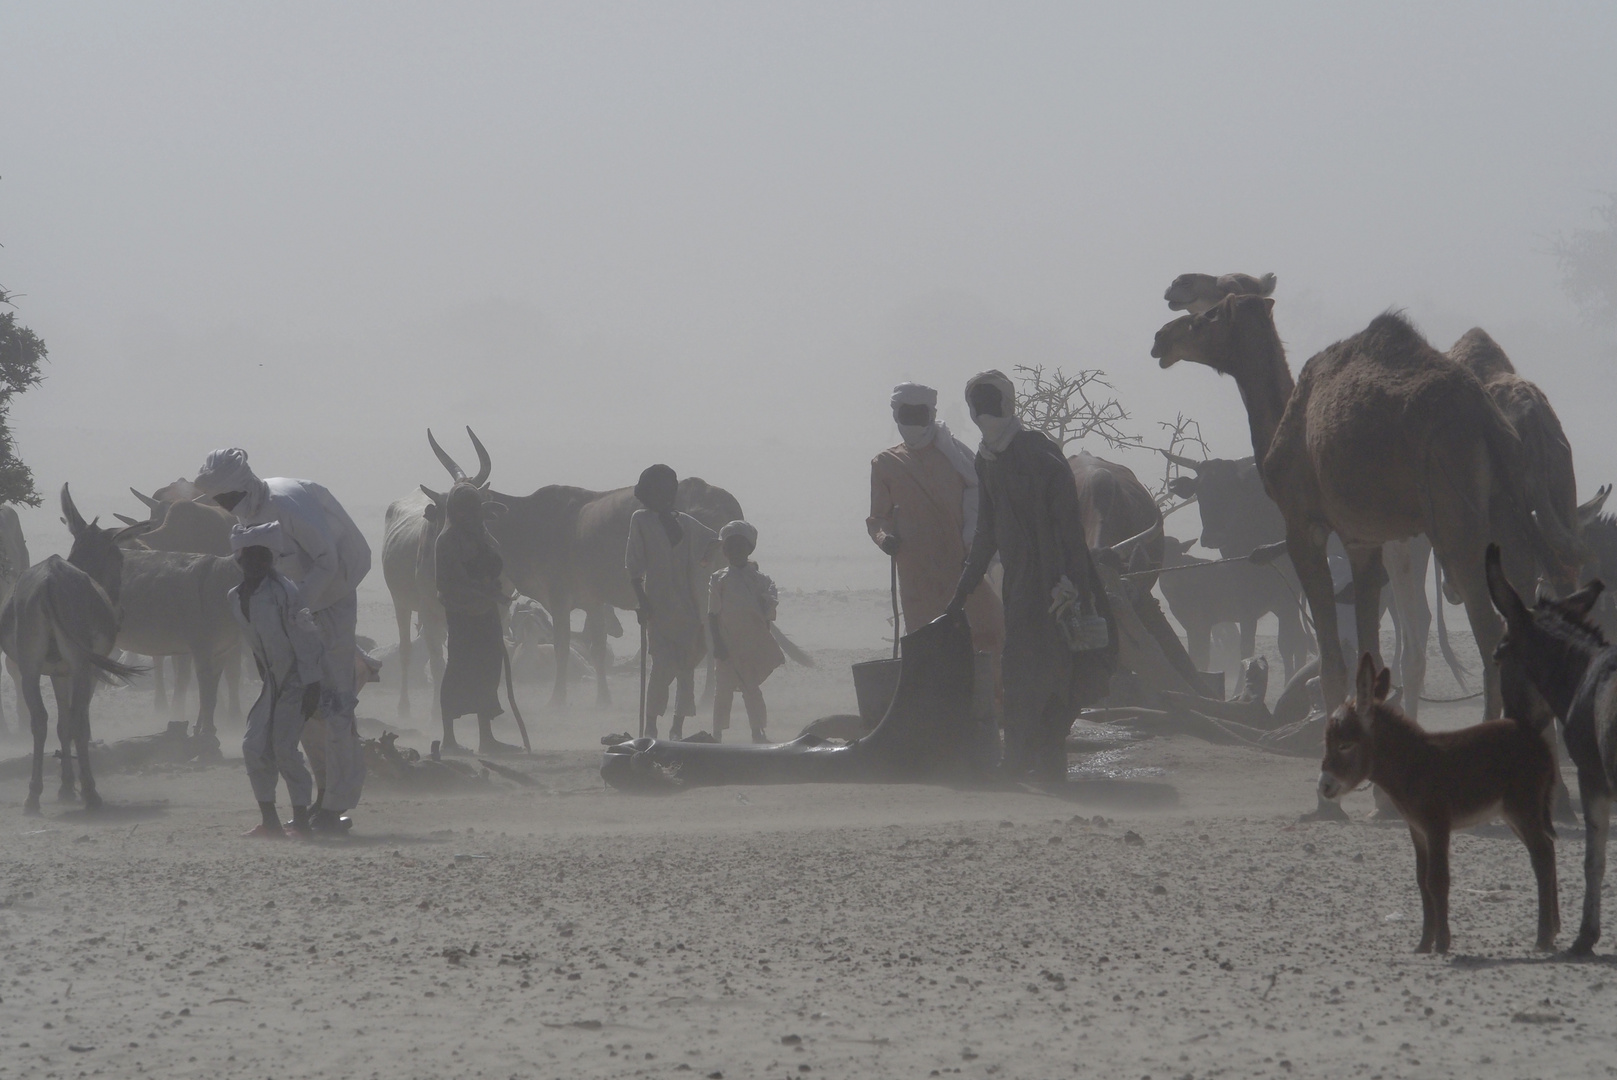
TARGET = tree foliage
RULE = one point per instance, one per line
(1588, 262)
(21, 354)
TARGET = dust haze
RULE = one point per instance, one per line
(605, 235)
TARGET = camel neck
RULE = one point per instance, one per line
(1265, 381)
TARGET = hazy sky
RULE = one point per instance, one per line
(715, 235)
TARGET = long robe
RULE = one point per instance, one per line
(915, 494)
(467, 568)
(1028, 513)
(676, 583)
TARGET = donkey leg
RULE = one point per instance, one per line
(64, 736)
(1596, 828)
(1437, 876)
(1428, 928)
(39, 722)
(561, 612)
(83, 688)
(1534, 830)
(207, 668)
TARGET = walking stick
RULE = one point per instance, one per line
(895, 606)
(511, 696)
(644, 639)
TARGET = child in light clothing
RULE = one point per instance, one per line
(741, 607)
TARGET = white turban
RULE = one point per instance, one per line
(998, 431)
(226, 470)
(267, 535)
(909, 393)
(739, 528)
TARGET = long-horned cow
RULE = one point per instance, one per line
(62, 621)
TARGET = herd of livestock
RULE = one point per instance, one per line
(1404, 455)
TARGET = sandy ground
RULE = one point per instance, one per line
(1169, 917)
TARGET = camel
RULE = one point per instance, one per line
(62, 621)
(1197, 293)
(1382, 438)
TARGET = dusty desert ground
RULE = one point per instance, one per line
(1168, 917)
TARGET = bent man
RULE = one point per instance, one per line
(324, 552)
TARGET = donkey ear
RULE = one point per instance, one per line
(1583, 601)
(1383, 684)
(1505, 597)
(1364, 690)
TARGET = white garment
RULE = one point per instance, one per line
(332, 738)
(321, 547)
(286, 645)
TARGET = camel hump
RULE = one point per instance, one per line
(1481, 355)
(1266, 285)
(1393, 330)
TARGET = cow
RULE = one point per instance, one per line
(177, 604)
(1202, 594)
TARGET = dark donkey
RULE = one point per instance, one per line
(62, 621)
(1557, 649)
(1442, 781)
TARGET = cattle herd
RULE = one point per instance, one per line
(1382, 453)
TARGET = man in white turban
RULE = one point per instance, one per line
(923, 513)
(324, 552)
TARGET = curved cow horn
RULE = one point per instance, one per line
(132, 533)
(1140, 537)
(431, 494)
(444, 459)
(70, 513)
(484, 465)
(150, 503)
(1184, 462)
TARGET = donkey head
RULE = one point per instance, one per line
(1540, 641)
(1349, 749)
(95, 550)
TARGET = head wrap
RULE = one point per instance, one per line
(739, 528)
(917, 436)
(664, 479)
(267, 535)
(226, 470)
(998, 431)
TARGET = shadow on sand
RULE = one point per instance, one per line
(1115, 794)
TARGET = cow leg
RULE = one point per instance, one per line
(595, 637)
(16, 689)
(207, 667)
(401, 617)
(39, 723)
(182, 681)
(159, 685)
(232, 672)
(561, 613)
(63, 688)
(81, 689)
(1293, 642)
(434, 636)
(1406, 573)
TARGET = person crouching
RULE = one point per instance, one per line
(286, 645)
(741, 607)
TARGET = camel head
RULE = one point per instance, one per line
(1210, 338)
(1197, 293)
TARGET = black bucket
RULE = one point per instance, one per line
(874, 682)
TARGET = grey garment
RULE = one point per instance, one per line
(675, 583)
(1028, 514)
(666, 673)
(270, 746)
(344, 762)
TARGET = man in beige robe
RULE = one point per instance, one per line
(923, 513)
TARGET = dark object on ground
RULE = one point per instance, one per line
(926, 734)
(842, 726)
(1444, 781)
(516, 775)
(387, 764)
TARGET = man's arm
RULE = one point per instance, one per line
(880, 524)
(315, 541)
(983, 545)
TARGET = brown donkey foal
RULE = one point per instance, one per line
(1442, 781)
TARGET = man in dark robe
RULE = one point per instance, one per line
(468, 567)
(1055, 662)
